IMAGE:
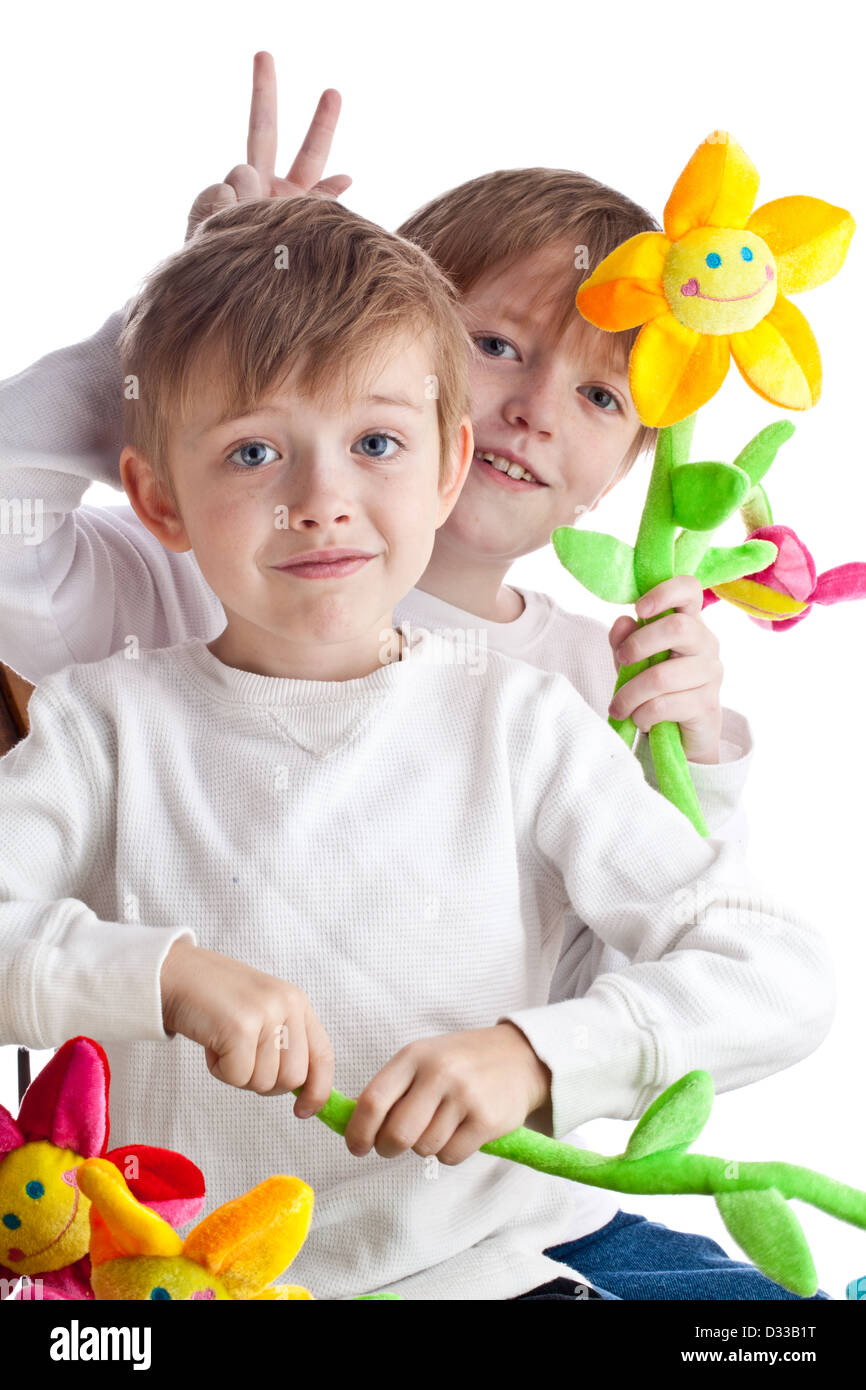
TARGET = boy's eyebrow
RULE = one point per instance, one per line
(514, 316)
(393, 400)
(229, 418)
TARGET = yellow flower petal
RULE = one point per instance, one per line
(251, 1239)
(759, 600)
(809, 239)
(673, 370)
(626, 288)
(779, 357)
(120, 1225)
(717, 188)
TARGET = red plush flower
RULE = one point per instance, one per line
(782, 594)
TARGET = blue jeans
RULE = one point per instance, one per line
(632, 1257)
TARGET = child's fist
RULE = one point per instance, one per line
(259, 1033)
(685, 688)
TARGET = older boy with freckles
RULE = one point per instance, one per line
(549, 392)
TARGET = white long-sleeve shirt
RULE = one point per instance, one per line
(77, 582)
(409, 848)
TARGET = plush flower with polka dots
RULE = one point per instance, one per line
(714, 285)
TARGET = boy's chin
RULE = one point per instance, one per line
(483, 532)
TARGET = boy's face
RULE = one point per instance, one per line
(299, 476)
(554, 406)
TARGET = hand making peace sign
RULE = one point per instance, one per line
(257, 179)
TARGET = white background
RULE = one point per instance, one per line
(114, 117)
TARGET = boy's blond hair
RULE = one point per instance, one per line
(276, 284)
(493, 221)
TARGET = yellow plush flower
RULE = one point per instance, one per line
(715, 284)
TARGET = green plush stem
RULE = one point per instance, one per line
(672, 772)
(670, 1171)
(654, 561)
(654, 549)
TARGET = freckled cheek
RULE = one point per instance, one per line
(232, 518)
(485, 392)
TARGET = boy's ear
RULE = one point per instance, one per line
(150, 503)
(459, 463)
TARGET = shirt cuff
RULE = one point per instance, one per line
(718, 786)
(601, 1060)
(99, 979)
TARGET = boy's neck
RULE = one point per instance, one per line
(249, 650)
(475, 588)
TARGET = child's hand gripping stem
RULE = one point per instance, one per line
(686, 688)
(654, 562)
(673, 569)
(751, 1197)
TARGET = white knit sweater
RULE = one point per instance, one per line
(403, 846)
(98, 576)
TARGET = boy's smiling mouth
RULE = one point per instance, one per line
(508, 469)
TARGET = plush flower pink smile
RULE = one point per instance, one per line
(691, 287)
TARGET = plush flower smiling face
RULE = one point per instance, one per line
(714, 287)
(720, 280)
(44, 1216)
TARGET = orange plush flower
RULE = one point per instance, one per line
(715, 285)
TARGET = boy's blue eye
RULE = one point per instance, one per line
(605, 400)
(256, 447)
(496, 346)
(378, 445)
(746, 253)
(714, 260)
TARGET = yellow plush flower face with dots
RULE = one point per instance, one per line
(715, 285)
(156, 1278)
(720, 281)
(44, 1218)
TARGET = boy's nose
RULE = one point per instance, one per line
(533, 408)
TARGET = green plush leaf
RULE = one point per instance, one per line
(603, 564)
(706, 494)
(721, 564)
(764, 1226)
(675, 1118)
(759, 453)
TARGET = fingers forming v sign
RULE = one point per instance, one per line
(257, 178)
